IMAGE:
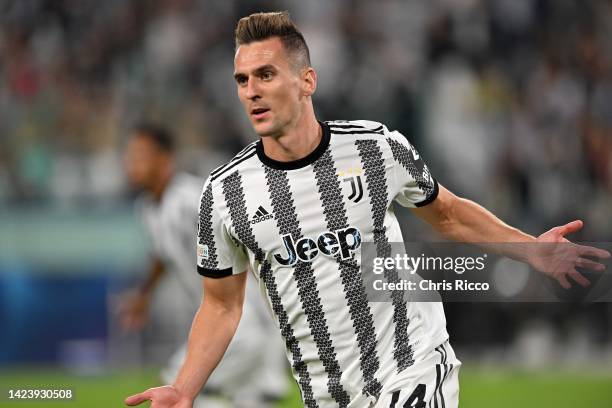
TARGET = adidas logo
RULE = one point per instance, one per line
(261, 215)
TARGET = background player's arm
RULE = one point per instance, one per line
(463, 220)
(213, 327)
(135, 307)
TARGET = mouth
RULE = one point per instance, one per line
(259, 113)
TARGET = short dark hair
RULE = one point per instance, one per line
(159, 135)
(262, 26)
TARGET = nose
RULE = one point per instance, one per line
(252, 90)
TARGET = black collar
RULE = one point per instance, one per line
(299, 163)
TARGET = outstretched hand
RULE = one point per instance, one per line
(161, 397)
(560, 261)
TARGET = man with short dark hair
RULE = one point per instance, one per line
(281, 208)
(168, 208)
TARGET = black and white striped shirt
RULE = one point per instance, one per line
(298, 225)
(169, 226)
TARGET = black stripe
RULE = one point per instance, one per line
(286, 218)
(446, 372)
(344, 125)
(360, 189)
(205, 232)
(438, 390)
(415, 168)
(234, 197)
(214, 273)
(444, 351)
(237, 162)
(374, 172)
(377, 131)
(432, 196)
(440, 352)
(335, 214)
(240, 154)
(247, 147)
(263, 210)
(438, 375)
(394, 398)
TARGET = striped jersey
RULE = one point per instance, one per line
(299, 225)
(169, 226)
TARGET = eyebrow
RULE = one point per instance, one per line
(259, 70)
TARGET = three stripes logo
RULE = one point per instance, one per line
(261, 215)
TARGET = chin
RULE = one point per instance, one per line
(265, 129)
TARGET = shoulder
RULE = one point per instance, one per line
(392, 142)
(184, 190)
(213, 186)
(241, 160)
(356, 127)
(186, 183)
(354, 131)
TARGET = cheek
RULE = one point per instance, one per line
(289, 96)
(241, 97)
(136, 169)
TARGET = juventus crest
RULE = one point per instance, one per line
(356, 188)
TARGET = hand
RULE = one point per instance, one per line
(560, 261)
(134, 311)
(161, 397)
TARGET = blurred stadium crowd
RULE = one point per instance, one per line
(510, 101)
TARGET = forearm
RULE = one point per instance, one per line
(213, 327)
(156, 271)
(467, 221)
(471, 222)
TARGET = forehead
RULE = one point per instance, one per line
(140, 141)
(252, 55)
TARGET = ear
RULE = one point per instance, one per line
(309, 81)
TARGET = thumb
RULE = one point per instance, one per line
(570, 227)
(137, 399)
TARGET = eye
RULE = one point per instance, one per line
(241, 80)
(267, 75)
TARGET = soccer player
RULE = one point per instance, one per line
(169, 211)
(282, 207)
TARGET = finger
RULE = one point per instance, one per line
(564, 282)
(570, 227)
(137, 399)
(578, 277)
(587, 263)
(593, 252)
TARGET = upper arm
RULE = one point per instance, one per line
(219, 254)
(412, 184)
(227, 293)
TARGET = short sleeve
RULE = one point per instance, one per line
(218, 254)
(414, 184)
(145, 216)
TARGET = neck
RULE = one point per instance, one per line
(296, 142)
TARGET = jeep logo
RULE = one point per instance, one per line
(343, 241)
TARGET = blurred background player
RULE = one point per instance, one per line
(252, 374)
